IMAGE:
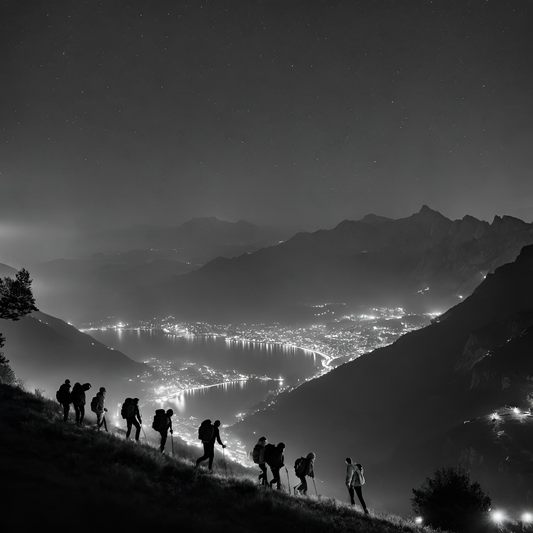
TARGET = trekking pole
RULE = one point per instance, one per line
(142, 427)
(172, 443)
(225, 466)
(288, 482)
(316, 492)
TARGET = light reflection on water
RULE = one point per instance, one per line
(223, 401)
(244, 357)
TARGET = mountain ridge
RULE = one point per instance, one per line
(354, 262)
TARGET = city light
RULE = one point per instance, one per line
(419, 520)
(527, 517)
(498, 516)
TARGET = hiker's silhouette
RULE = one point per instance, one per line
(209, 433)
(355, 481)
(304, 466)
(78, 400)
(258, 457)
(276, 461)
(63, 397)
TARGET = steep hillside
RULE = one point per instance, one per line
(78, 478)
(395, 409)
(44, 351)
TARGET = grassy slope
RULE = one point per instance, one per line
(54, 474)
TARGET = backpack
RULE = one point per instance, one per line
(76, 396)
(300, 466)
(160, 420)
(206, 431)
(63, 394)
(359, 473)
(128, 409)
(275, 457)
(256, 454)
(270, 450)
(94, 404)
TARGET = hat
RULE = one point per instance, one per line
(102, 389)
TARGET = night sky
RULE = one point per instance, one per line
(296, 112)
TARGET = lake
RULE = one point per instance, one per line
(224, 401)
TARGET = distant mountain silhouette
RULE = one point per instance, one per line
(197, 240)
(373, 260)
(44, 351)
(135, 261)
(400, 410)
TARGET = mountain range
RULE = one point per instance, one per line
(452, 393)
(424, 258)
(112, 273)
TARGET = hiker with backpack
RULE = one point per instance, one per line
(79, 400)
(63, 397)
(276, 461)
(258, 457)
(130, 412)
(97, 406)
(304, 466)
(355, 480)
(163, 424)
(209, 434)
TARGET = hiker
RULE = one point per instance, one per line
(130, 412)
(163, 424)
(258, 457)
(355, 481)
(97, 405)
(78, 401)
(63, 397)
(276, 460)
(209, 433)
(304, 466)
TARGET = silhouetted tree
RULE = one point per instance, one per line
(16, 300)
(450, 501)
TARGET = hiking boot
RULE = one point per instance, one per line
(367, 511)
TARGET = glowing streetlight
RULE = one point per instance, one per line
(498, 516)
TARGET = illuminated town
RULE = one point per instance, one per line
(337, 339)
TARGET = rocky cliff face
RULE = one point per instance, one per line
(472, 248)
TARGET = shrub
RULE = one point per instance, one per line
(450, 501)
